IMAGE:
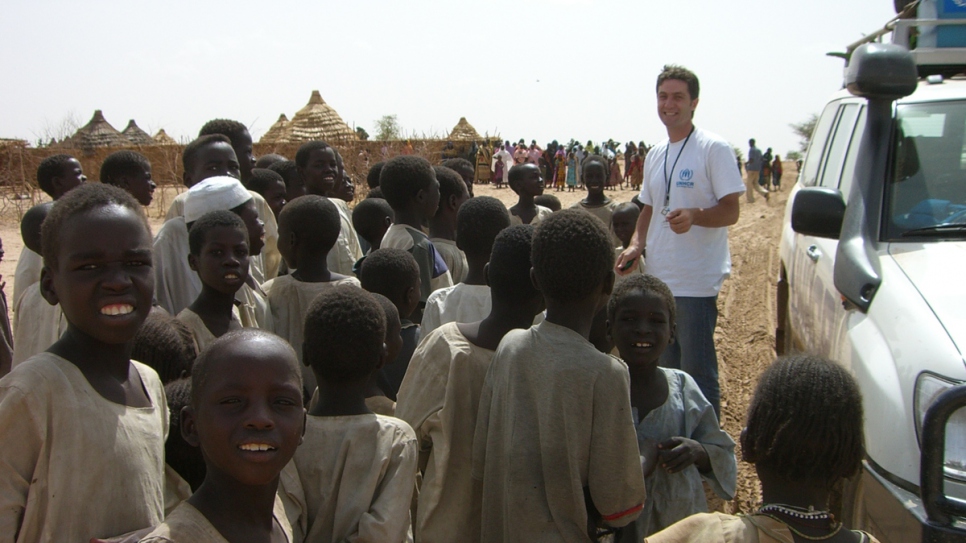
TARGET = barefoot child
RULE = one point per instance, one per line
(555, 414)
(596, 170)
(89, 423)
(308, 227)
(219, 255)
(526, 181)
(440, 394)
(357, 469)
(676, 426)
(395, 274)
(804, 435)
(442, 227)
(245, 443)
(130, 171)
(411, 188)
(477, 225)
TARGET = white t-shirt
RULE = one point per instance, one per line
(696, 263)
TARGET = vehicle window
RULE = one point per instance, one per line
(926, 196)
(816, 147)
(848, 171)
(838, 145)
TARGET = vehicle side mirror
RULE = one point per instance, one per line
(881, 71)
(818, 211)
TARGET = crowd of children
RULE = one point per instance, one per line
(428, 366)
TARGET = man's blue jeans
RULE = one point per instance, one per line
(693, 348)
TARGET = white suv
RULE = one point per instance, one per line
(873, 275)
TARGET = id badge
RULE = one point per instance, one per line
(665, 211)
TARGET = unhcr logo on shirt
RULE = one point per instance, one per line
(684, 179)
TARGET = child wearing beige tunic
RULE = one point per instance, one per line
(356, 469)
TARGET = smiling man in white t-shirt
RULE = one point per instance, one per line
(690, 195)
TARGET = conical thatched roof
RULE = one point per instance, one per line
(97, 133)
(464, 131)
(318, 121)
(135, 135)
(162, 138)
(279, 132)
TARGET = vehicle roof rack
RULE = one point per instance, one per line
(946, 57)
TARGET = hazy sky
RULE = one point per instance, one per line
(543, 69)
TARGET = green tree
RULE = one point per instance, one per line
(361, 132)
(804, 130)
(387, 128)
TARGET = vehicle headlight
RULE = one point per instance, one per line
(928, 387)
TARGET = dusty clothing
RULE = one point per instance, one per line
(187, 525)
(555, 417)
(201, 334)
(433, 273)
(176, 285)
(290, 299)
(458, 303)
(542, 213)
(439, 398)
(674, 496)
(264, 266)
(37, 325)
(176, 489)
(347, 249)
(454, 258)
(603, 212)
(357, 475)
(83, 466)
(27, 273)
(721, 528)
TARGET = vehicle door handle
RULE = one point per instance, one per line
(813, 253)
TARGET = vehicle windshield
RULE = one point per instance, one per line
(926, 196)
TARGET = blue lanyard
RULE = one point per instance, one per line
(667, 178)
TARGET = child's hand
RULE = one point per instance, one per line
(678, 453)
(649, 456)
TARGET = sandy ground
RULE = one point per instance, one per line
(745, 335)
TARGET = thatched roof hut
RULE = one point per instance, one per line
(162, 138)
(464, 131)
(137, 136)
(96, 133)
(318, 121)
(278, 133)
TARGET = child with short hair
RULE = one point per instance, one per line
(465, 169)
(166, 345)
(410, 186)
(294, 186)
(804, 436)
(372, 177)
(555, 414)
(219, 255)
(376, 399)
(36, 323)
(527, 182)
(395, 274)
(357, 469)
(676, 425)
(549, 201)
(131, 171)
(204, 157)
(478, 223)
(85, 391)
(308, 228)
(318, 165)
(442, 227)
(596, 170)
(266, 161)
(371, 218)
(345, 189)
(241, 142)
(56, 175)
(271, 186)
(245, 446)
(440, 394)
